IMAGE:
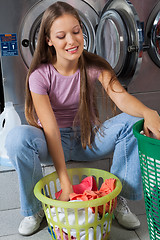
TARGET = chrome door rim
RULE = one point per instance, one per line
(152, 34)
(32, 20)
(134, 30)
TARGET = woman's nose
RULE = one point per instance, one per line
(70, 38)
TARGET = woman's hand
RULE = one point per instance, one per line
(152, 124)
(66, 191)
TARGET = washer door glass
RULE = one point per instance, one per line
(119, 39)
(112, 40)
(153, 37)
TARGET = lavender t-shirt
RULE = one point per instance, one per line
(63, 91)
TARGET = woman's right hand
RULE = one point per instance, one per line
(66, 191)
(53, 137)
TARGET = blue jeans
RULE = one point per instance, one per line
(27, 149)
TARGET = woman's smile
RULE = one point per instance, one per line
(72, 50)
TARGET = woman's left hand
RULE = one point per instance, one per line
(131, 105)
(152, 124)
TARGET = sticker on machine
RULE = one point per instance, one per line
(9, 45)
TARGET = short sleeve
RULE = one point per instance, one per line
(94, 73)
(38, 82)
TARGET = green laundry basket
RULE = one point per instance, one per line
(45, 191)
(149, 154)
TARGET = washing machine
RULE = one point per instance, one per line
(146, 85)
(129, 39)
(18, 36)
(114, 29)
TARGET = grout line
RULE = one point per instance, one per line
(4, 210)
(137, 235)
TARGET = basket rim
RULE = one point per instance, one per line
(82, 204)
(137, 127)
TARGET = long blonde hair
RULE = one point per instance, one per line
(87, 115)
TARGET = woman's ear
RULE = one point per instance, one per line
(49, 42)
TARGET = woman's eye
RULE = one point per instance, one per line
(60, 37)
(76, 32)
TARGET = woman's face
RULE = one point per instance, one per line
(67, 38)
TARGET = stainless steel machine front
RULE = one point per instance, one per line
(125, 33)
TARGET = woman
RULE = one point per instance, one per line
(64, 120)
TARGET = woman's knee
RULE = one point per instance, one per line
(129, 118)
(20, 136)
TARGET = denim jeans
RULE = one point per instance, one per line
(27, 149)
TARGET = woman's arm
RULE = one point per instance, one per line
(48, 121)
(131, 105)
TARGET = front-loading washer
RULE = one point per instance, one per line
(146, 85)
(152, 34)
(128, 37)
(12, 66)
(18, 36)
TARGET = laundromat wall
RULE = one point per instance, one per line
(124, 32)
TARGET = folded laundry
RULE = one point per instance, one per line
(87, 183)
(107, 187)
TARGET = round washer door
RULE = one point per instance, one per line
(119, 39)
(153, 34)
(31, 24)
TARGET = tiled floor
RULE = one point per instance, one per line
(10, 213)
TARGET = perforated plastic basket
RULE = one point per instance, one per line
(149, 154)
(56, 211)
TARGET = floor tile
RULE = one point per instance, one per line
(6, 169)
(9, 222)
(119, 233)
(9, 197)
(142, 232)
(9, 226)
(137, 207)
(41, 235)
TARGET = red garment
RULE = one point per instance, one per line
(87, 183)
(107, 187)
